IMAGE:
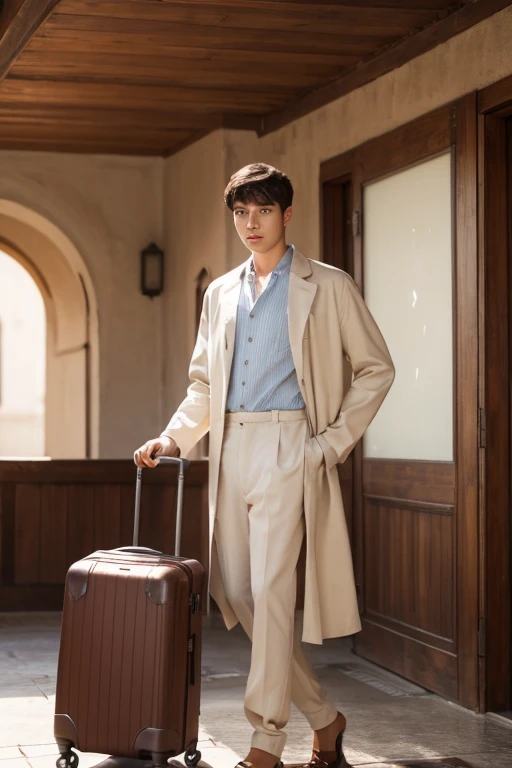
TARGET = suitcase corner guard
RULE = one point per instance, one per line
(153, 740)
(65, 732)
(77, 578)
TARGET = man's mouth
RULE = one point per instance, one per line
(254, 237)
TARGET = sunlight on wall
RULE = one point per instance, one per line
(22, 362)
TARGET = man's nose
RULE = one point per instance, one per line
(252, 221)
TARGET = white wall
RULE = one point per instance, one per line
(196, 225)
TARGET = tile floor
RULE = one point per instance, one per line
(389, 718)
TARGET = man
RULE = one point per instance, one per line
(288, 371)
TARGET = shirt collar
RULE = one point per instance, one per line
(283, 265)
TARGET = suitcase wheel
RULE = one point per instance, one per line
(192, 756)
(67, 760)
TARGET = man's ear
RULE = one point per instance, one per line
(287, 215)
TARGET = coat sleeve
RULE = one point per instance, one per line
(373, 370)
(192, 419)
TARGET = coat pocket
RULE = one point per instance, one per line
(313, 452)
(328, 452)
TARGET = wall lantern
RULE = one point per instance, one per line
(152, 270)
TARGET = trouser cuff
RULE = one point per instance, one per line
(323, 717)
(272, 744)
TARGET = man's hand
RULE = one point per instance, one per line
(160, 446)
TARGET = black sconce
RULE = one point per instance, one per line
(152, 270)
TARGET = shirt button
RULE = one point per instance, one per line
(252, 314)
(243, 383)
(242, 407)
(250, 338)
(246, 362)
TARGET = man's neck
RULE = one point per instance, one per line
(265, 263)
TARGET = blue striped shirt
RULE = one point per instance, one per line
(263, 376)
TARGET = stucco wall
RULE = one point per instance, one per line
(110, 208)
(472, 60)
(196, 225)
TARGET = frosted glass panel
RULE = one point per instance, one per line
(408, 288)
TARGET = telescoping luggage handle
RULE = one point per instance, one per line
(182, 464)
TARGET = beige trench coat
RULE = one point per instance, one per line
(344, 370)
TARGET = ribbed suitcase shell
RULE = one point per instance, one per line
(129, 672)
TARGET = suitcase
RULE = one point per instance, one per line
(129, 670)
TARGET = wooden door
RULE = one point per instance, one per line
(337, 250)
(416, 472)
(495, 219)
(505, 577)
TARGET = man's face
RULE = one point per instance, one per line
(260, 227)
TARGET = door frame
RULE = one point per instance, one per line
(453, 125)
(337, 248)
(494, 108)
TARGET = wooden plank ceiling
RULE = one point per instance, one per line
(150, 76)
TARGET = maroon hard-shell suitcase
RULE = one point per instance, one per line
(129, 672)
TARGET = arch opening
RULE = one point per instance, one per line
(71, 356)
(22, 362)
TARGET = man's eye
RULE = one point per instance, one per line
(239, 212)
(265, 210)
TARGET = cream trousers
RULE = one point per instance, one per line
(259, 531)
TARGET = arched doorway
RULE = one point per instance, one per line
(22, 362)
(52, 260)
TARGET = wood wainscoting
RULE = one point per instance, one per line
(409, 619)
(53, 513)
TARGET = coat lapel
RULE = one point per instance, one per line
(230, 298)
(300, 299)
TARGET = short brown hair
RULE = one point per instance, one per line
(261, 184)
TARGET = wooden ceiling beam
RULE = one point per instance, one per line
(8, 10)
(128, 141)
(124, 67)
(19, 21)
(92, 132)
(131, 34)
(268, 15)
(114, 147)
(293, 5)
(470, 14)
(290, 85)
(68, 43)
(119, 119)
(138, 98)
(38, 57)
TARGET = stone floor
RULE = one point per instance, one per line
(390, 720)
